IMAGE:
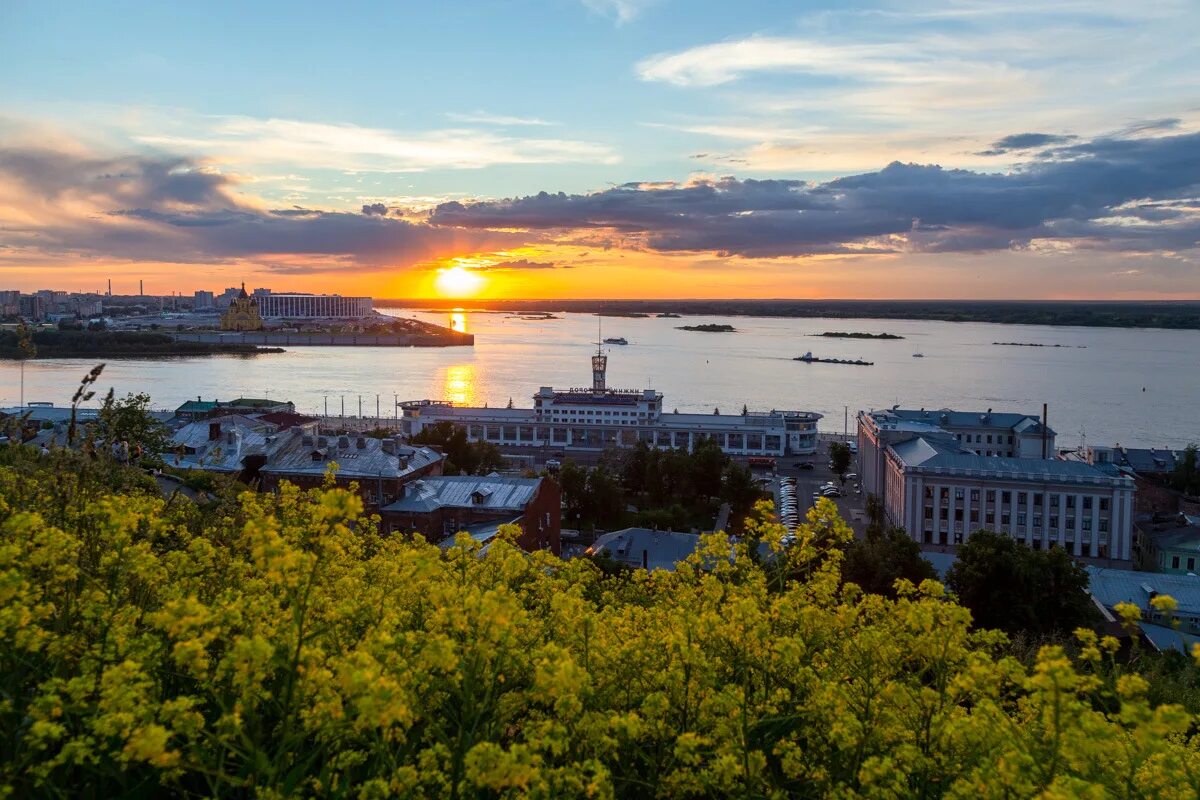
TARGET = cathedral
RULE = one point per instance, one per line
(242, 314)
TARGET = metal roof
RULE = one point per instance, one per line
(487, 492)
(1112, 586)
(949, 418)
(664, 549)
(370, 460)
(941, 454)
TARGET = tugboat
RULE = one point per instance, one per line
(618, 340)
(809, 358)
(918, 355)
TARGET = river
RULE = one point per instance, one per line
(1137, 387)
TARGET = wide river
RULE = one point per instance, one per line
(1138, 387)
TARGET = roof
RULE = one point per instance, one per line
(356, 456)
(942, 562)
(949, 418)
(1164, 638)
(663, 549)
(1173, 537)
(285, 419)
(1146, 460)
(1112, 586)
(49, 413)
(940, 453)
(487, 492)
(196, 406)
(482, 532)
(249, 437)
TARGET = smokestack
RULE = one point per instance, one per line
(1045, 422)
(110, 287)
(141, 291)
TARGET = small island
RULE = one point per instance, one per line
(1035, 344)
(710, 328)
(856, 335)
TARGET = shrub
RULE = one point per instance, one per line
(285, 648)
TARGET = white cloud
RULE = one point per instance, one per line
(485, 118)
(319, 145)
(621, 11)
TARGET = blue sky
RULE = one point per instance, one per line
(408, 105)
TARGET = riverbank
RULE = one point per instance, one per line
(1174, 315)
(307, 339)
(110, 344)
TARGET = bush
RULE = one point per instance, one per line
(284, 648)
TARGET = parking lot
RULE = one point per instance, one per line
(850, 505)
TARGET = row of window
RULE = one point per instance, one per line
(1072, 548)
(989, 518)
(979, 438)
(585, 437)
(1191, 563)
(1006, 497)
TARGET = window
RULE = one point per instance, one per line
(990, 518)
(989, 441)
(1010, 440)
(1006, 497)
(1087, 523)
(928, 492)
(945, 513)
(1070, 523)
(1087, 503)
(1037, 501)
(1104, 504)
(1037, 520)
(928, 512)
(1054, 521)
(975, 495)
(1070, 501)
(958, 515)
(958, 494)
(1174, 562)
(974, 516)
(1004, 519)
(1104, 526)
(1191, 564)
(1021, 518)
(1054, 501)
(991, 495)
(1021, 498)
(945, 493)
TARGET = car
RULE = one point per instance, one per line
(803, 465)
(853, 445)
(851, 476)
(831, 493)
(553, 464)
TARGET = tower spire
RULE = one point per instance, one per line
(599, 361)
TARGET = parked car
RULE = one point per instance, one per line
(803, 465)
(851, 476)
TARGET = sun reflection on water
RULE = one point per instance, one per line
(458, 321)
(459, 384)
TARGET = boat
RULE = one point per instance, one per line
(617, 340)
(809, 358)
(918, 355)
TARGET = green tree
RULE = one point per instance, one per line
(1010, 587)
(839, 457)
(462, 455)
(1186, 475)
(739, 490)
(876, 562)
(128, 423)
(708, 462)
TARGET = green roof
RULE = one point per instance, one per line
(192, 406)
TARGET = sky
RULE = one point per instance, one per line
(604, 148)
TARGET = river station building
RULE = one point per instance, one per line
(595, 419)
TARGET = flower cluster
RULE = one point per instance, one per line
(279, 646)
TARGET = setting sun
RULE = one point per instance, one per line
(458, 282)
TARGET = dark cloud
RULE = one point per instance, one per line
(1151, 126)
(903, 206)
(377, 209)
(524, 264)
(1024, 141)
(175, 210)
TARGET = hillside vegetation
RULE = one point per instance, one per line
(278, 646)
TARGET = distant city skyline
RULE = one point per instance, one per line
(604, 148)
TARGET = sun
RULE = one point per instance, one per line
(458, 282)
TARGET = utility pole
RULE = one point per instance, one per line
(327, 405)
(343, 406)
(846, 421)
(360, 406)
(377, 407)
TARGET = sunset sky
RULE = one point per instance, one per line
(604, 148)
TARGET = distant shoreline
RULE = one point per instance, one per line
(1170, 315)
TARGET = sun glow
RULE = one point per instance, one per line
(458, 282)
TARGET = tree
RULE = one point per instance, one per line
(1186, 475)
(127, 423)
(878, 561)
(707, 464)
(739, 490)
(1011, 587)
(839, 457)
(462, 455)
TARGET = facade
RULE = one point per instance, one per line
(598, 418)
(1171, 546)
(940, 493)
(312, 306)
(440, 507)
(242, 315)
(203, 301)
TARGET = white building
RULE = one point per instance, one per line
(597, 418)
(310, 306)
(940, 490)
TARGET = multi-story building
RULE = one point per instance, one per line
(311, 306)
(598, 418)
(985, 433)
(440, 507)
(204, 301)
(10, 303)
(940, 492)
